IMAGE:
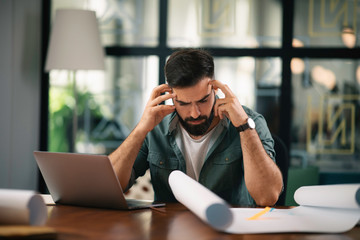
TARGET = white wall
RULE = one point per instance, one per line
(20, 31)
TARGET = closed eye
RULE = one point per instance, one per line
(183, 104)
(203, 100)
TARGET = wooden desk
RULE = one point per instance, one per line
(176, 223)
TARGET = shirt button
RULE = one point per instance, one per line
(226, 159)
(161, 162)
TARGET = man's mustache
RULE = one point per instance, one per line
(190, 119)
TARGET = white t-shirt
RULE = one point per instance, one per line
(195, 150)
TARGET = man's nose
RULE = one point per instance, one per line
(195, 111)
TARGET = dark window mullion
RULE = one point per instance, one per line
(44, 88)
(163, 53)
(323, 52)
(286, 86)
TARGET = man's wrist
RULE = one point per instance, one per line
(140, 131)
(249, 124)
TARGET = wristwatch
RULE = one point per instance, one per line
(250, 124)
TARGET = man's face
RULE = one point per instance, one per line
(194, 106)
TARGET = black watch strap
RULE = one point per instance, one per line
(243, 127)
(249, 124)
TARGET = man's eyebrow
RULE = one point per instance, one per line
(204, 97)
(181, 102)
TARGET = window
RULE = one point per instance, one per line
(326, 121)
(294, 61)
(227, 23)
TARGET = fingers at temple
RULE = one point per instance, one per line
(157, 91)
(223, 87)
(161, 98)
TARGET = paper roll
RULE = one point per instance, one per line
(202, 202)
(333, 196)
(22, 207)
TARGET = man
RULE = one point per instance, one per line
(218, 142)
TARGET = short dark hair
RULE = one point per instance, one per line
(186, 67)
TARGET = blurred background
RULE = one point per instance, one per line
(294, 61)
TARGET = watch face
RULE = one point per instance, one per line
(251, 123)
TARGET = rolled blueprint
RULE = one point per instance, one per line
(22, 207)
(205, 204)
(334, 196)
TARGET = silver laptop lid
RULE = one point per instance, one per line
(81, 179)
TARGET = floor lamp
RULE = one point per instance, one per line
(75, 45)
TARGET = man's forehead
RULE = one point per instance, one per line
(192, 94)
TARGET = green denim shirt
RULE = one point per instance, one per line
(222, 172)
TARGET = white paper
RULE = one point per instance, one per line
(22, 207)
(337, 195)
(236, 220)
(299, 219)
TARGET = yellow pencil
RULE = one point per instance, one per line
(257, 215)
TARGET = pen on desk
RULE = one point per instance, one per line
(259, 214)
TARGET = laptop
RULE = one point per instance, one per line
(85, 180)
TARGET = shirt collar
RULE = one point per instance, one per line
(174, 119)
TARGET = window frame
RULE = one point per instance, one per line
(286, 52)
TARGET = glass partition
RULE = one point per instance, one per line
(317, 114)
(225, 23)
(108, 106)
(122, 23)
(255, 82)
(326, 23)
(325, 125)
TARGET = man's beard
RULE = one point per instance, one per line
(198, 129)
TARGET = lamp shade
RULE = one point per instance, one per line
(75, 42)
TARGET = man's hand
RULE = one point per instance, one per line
(154, 112)
(263, 178)
(123, 158)
(228, 106)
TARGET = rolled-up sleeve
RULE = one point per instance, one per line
(140, 166)
(263, 132)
